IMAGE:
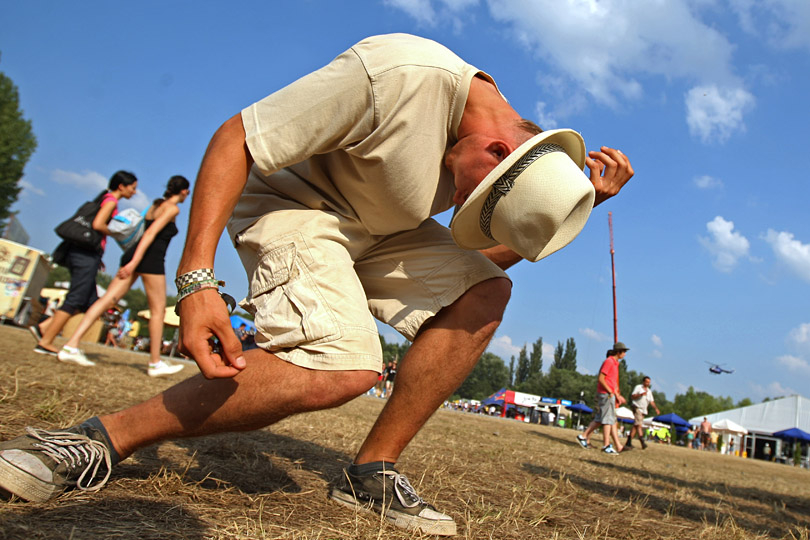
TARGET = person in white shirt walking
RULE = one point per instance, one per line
(642, 398)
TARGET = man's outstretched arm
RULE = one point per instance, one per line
(222, 177)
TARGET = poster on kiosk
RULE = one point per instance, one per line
(23, 272)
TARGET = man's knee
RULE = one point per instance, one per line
(334, 388)
(491, 297)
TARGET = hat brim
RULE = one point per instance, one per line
(465, 226)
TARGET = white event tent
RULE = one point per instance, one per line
(764, 419)
(767, 417)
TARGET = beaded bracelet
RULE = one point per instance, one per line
(202, 287)
(188, 289)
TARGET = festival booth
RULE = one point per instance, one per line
(794, 437)
(735, 432)
(526, 407)
(23, 272)
(676, 423)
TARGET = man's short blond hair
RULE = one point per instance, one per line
(525, 130)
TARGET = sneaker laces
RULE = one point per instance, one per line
(75, 451)
(404, 489)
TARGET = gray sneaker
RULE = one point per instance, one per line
(391, 493)
(42, 464)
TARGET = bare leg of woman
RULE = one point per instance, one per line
(155, 286)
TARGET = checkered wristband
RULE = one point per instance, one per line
(195, 276)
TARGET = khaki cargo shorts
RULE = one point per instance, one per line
(318, 280)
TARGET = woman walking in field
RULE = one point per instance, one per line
(145, 260)
(83, 264)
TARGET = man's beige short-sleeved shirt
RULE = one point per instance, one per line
(365, 136)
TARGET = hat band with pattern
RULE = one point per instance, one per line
(503, 185)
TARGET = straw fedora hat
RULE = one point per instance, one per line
(534, 202)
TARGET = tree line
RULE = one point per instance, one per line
(563, 381)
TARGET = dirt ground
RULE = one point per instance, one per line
(499, 479)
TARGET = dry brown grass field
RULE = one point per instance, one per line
(499, 479)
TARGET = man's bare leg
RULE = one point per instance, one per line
(438, 361)
(266, 391)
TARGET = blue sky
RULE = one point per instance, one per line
(707, 98)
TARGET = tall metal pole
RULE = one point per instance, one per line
(613, 271)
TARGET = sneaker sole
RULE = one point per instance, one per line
(24, 485)
(403, 521)
(45, 352)
(75, 362)
(165, 373)
(36, 333)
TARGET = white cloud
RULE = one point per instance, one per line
(772, 390)
(785, 24)
(794, 363)
(86, 180)
(714, 114)
(801, 336)
(28, 187)
(790, 252)
(657, 354)
(544, 119)
(724, 244)
(140, 201)
(708, 182)
(647, 39)
(548, 352)
(584, 62)
(503, 347)
(421, 10)
(93, 182)
(592, 334)
(657, 341)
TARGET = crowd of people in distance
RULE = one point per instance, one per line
(247, 336)
(385, 381)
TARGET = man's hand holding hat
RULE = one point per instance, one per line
(610, 171)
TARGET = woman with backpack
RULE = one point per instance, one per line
(83, 264)
(146, 260)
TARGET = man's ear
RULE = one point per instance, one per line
(499, 149)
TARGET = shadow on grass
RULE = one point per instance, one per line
(783, 508)
(780, 522)
(122, 518)
(242, 460)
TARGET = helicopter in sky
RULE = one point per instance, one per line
(718, 369)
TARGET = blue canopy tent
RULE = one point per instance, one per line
(236, 321)
(793, 434)
(678, 424)
(673, 419)
(496, 398)
(579, 408)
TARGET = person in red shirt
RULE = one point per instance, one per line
(608, 397)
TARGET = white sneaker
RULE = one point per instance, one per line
(163, 368)
(74, 356)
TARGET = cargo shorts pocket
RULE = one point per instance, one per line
(287, 305)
